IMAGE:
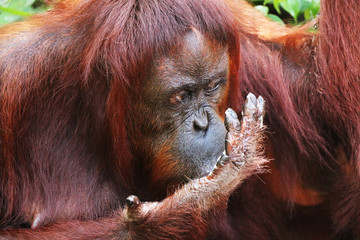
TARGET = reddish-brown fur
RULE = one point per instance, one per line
(68, 83)
(311, 84)
(309, 80)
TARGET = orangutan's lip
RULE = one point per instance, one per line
(210, 171)
(217, 162)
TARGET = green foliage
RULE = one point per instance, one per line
(14, 10)
(295, 10)
(292, 11)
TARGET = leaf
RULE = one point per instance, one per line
(14, 12)
(307, 14)
(263, 9)
(267, 1)
(20, 4)
(275, 18)
(276, 4)
(6, 18)
(315, 7)
(292, 7)
(304, 5)
(257, 2)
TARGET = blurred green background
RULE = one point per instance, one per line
(288, 11)
(15, 10)
(282, 11)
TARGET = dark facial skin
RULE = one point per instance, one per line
(179, 108)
